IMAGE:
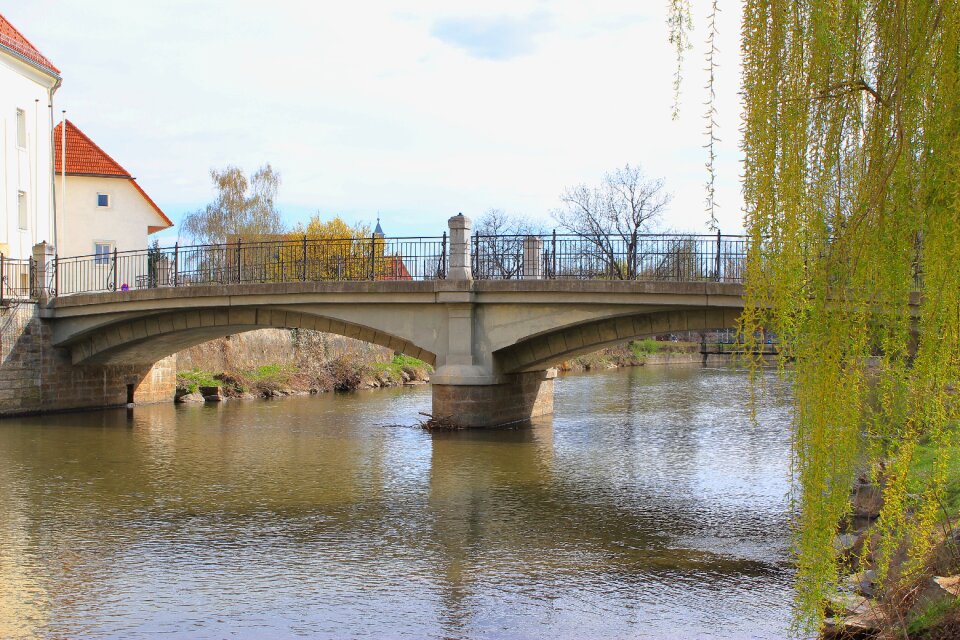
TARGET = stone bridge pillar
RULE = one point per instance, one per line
(466, 387)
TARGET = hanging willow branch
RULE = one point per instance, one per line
(852, 193)
(679, 25)
(711, 116)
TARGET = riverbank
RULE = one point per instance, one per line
(636, 353)
(928, 607)
(343, 373)
(278, 362)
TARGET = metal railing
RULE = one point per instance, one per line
(240, 262)
(649, 257)
(16, 279)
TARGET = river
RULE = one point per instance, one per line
(648, 506)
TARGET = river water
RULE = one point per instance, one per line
(648, 506)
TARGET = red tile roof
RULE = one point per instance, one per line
(13, 40)
(395, 269)
(85, 158)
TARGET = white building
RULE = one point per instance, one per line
(28, 81)
(102, 208)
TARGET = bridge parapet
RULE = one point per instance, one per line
(458, 257)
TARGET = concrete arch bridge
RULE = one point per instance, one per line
(492, 341)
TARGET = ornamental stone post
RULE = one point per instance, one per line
(43, 254)
(532, 250)
(460, 226)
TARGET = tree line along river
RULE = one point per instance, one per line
(649, 505)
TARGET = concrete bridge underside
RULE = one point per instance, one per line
(492, 342)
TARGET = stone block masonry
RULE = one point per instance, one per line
(36, 377)
(523, 397)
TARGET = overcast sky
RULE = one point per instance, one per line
(417, 110)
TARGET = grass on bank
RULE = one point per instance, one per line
(924, 457)
(400, 365)
(195, 378)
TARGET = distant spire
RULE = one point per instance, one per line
(378, 230)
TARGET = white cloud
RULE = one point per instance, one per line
(493, 37)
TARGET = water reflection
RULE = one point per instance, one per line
(648, 503)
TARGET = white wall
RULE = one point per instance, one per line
(124, 223)
(28, 169)
(83, 224)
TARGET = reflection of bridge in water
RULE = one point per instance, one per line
(492, 314)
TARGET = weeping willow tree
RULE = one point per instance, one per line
(851, 137)
(852, 191)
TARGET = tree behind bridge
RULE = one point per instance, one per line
(498, 248)
(612, 217)
(338, 251)
(244, 207)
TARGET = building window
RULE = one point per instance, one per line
(22, 209)
(21, 128)
(101, 252)
(103, 199)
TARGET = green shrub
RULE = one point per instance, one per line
(643, 348)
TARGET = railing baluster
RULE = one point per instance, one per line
(719, 249)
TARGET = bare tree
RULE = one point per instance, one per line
(243, 207)
(498, 249)
(612, 217)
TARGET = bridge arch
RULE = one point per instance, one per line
(545, 349)
(147, 339)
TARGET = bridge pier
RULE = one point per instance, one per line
(518, 398)
(466, 388)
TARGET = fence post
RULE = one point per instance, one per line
(553, 254)
(303, 274)
(718, 256)
(475, 253)
(443, 257)
(176, 264)
(532, 249)
(114, 268)
(460, 226)
(373, 256)
(56, 274)
(239, 263)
